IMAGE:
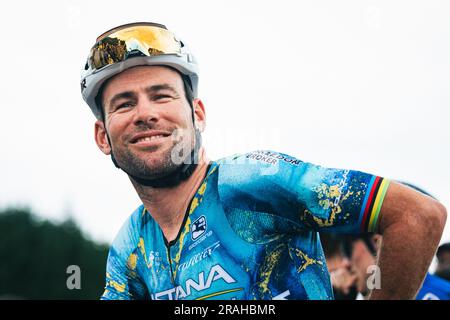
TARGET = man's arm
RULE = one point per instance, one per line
(411, 224)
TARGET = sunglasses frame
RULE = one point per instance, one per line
(124, 26)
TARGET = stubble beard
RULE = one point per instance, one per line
(156, 164)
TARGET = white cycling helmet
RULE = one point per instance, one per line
(130, 45)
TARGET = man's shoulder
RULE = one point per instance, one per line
(135, 218)
(129, 232)
(260, 174)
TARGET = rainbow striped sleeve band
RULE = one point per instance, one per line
(370, 211)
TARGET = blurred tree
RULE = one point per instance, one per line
(35, 255)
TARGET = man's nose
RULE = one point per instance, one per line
(145, 113)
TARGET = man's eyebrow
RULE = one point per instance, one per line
(150, 90)
(158, 87)
(121, 95)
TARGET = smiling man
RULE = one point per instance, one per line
(149, 129)
(242, 227)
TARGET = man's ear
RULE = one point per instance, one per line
(100, 137)
(199, 113)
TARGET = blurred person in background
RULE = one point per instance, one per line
(437, 286)
(362, 251)
(443, 257)
(343, 279)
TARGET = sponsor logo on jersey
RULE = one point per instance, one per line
(198, 228)
(192, 286)
(200, 240)
(282, 296)
(199, 256)
(272, 157)
(154, 259)
(341, 186)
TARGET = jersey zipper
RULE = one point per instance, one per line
(172, 277)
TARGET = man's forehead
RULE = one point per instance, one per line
(144, 76)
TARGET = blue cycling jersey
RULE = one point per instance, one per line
(434, 288)
(250, 232)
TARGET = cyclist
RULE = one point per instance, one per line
(242, 227)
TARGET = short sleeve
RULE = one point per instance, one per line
(307, 195)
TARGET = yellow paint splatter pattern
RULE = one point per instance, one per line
(132, 261)
(119, 287)
(329, 197)
(177, 257)
(267, 267)
(141, 247)
(306, 261)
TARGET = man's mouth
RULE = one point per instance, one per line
(149, 138)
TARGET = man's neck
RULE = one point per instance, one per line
(168, 205)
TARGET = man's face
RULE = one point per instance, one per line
(342, 277)
(148, 120)
(361, 259)
(444, 261)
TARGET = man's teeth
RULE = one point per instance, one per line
(150, 138)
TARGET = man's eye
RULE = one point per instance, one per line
(124, 105)
(162, 96)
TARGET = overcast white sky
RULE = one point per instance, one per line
(351, 84)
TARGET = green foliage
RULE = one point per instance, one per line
(34, 256)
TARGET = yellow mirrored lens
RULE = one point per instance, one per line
(148, 40)
(107, 52)
(149, 37)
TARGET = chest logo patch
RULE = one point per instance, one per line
(198, 228)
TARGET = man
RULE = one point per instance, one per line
(343, 279)
(443, 257)
(361, 251)
(243, 227)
